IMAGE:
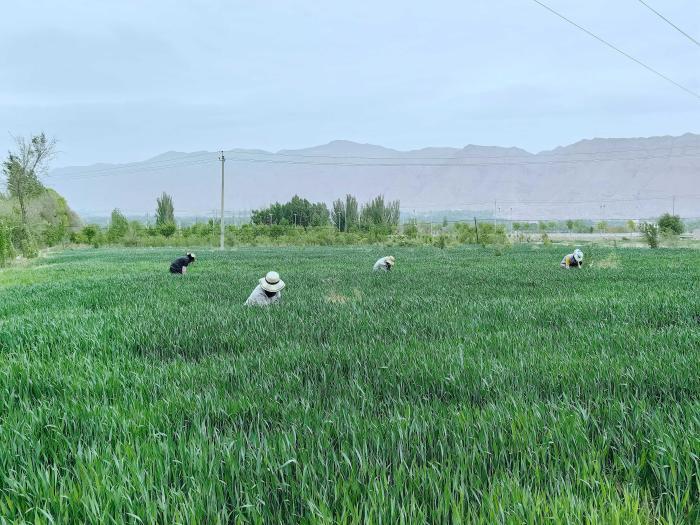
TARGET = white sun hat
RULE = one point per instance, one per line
(578, 255)
(272, 282)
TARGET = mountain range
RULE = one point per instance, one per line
(594, 179)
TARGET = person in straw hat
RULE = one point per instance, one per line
(179, 266)
(573, 260)
(268, 291)
(384, 264)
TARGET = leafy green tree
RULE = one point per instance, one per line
(23, 168)
(297, 211)
(650, 232)
(165, 211)
(570, 225)
(338, 214)
(671, 224)
(379, 213)
(167, 229)
(602, 226)
(118, 226)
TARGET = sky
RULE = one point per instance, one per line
(123, 81)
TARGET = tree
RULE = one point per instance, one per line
(23, 169)
(650, 232)
(378, 213)
(338, 214)
(118, 226)
(297, 211)
(165, 211)
(570, 225)
(671, 224)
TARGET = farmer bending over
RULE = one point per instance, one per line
(384, 264)
(573, 260)
(268, 291)
(180, 265)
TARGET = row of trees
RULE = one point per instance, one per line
(345, 214)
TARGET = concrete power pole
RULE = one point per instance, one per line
(221, 238)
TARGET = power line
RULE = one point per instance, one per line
(617, 49)
(454, 164)
(410, 156)
(138, 165)
(194, 159)
(669, 22)
(127, 170)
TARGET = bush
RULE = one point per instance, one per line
(6, 249)
(650, 232)
(671, 224)
(410, 230)
(167, 229)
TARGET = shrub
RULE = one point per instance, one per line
(118, 226)
(671, 224)
(167, 229)
(6, 249)
(410, 230)
(650, 232)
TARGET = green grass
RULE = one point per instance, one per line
(462, 387)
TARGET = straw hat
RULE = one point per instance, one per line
(272, 282)
(391, 260)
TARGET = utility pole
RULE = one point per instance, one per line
(673, 206)
(494, 214)
(221, 238)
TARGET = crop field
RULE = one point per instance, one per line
(466, 386)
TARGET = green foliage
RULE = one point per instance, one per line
(298, 212)
(344, 214)
(459, 388)
(381, 214)
(165, 210)
(650, 233)
(671, 224)
(6, 249)
(118, 226)
(570, 225)
(487, 233)
(602, 226)
(410, 230)
(167, 229)
(23, 167)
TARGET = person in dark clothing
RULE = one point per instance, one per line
(180, 265)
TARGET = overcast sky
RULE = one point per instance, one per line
(120, 81)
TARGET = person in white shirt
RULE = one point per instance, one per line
(268, 291)
(384, 264)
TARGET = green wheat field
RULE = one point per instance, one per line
(467, 386)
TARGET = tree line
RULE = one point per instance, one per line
(345, 214)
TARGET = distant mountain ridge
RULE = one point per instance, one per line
(593, 178)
